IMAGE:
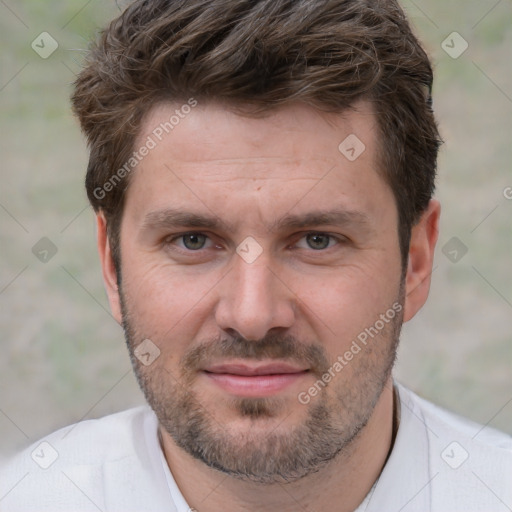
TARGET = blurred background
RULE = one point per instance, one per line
(62, 356)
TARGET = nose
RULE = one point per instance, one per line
(254, 299)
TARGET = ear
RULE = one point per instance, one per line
(108, 267)
(421, 257)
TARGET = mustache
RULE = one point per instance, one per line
(272, 346)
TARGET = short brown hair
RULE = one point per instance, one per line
(256, 55)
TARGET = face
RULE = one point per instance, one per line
(264, 267)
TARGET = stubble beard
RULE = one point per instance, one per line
(258, 454)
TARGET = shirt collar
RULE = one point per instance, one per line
(404, 483)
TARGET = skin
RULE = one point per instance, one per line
(248, 174)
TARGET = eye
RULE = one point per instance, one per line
(194, 241)
(190, 241)
(318, 241)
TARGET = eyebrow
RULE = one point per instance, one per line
(173, 218)
(317, 218)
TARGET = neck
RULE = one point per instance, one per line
(346, 480)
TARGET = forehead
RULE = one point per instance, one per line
(213, 131)
(296, 154)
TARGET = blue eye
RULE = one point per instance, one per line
(318, 241)
(194, 241)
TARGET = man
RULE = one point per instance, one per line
(262, 174)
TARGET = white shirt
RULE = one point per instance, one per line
(439, 463)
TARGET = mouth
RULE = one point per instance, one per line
(257, 380)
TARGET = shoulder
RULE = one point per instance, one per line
(68, 466)
(470, 465)
(92, 441)
(483, 435)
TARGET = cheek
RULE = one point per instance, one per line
(163, 301)
(347, 301)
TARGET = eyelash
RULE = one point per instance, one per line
(340, 240)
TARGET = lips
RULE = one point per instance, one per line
(258, 380)
(249, 371)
